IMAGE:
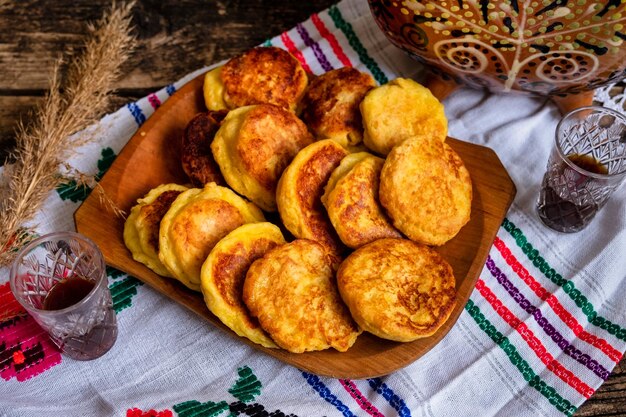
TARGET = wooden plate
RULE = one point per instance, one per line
(151, 158)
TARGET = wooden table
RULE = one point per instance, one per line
(175, 38)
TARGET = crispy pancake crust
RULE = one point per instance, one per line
(195, 222)
(264, 75)
(141, 229)
(300, 189)
(398, 110)
(292, 291)
(330, 107)
(213, 90)
(426, 190)
(397, 289)
(351, 200)
(196, 157)
(253, 147)
(224, 271)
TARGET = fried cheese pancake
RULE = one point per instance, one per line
(426, 190)
(300, 189)
(224, 271)
(196, 157)
(398, 110)
(213, 90)
(262, 75)
(351, 201)
(293, 293)
(397, 289)
(195, 222)
(253, 147)
(330, 106)
(141, 228)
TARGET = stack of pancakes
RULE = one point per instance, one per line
(364, 185)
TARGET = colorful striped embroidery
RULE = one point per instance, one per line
(154, 100)
(319, 54)
(535, 344)
(392, 398)
(245, 389)
(291, 47)
(568, 286)
(123, 292)
(356, 44)
(565, 316)
(136, 112)
(516, 359)
(360, 399)
(323, 391)
(549, 329)
(25, 348)
(135, 412)
(170, 89)
(331, 39)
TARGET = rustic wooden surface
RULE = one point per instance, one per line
(175, 38)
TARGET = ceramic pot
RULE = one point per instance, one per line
(558, 48)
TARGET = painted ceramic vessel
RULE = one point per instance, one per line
(546, 47)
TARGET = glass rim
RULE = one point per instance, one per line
(37, 242)
(564, 157)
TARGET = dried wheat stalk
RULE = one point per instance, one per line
(70, 106)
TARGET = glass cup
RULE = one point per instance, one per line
(60, 279)
(587, 163)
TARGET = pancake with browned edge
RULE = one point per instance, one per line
(293, 293)
(351, 201)
(141, 228)
(253, 147)
(262, 75)
(426, 190)
(330, 106)
(224, 271)
(195, 222)
(398, 110)
(300, 189)
(397, 289)
(196, 157)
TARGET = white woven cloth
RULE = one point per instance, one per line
(515, 350)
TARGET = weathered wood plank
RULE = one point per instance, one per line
(174, 37)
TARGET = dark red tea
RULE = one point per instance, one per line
(67, 292)
(561, 214)
(86, 338)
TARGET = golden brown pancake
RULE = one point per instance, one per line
(253, 147)
(398, 110)
(292, 291)
(224, 271)
(141, 229)
(397, 289)
(197, 159)
(300, 189)
(426, 190)
(351, 200)
(195, 222)
(263, 75)
(330, 107)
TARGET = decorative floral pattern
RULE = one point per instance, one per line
(546, 47)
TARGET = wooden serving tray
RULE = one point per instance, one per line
(151, 158)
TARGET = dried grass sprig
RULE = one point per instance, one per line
(71, 105)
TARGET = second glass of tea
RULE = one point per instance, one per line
(587, 163)
(60, 279)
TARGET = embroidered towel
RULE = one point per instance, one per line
(540, 333)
